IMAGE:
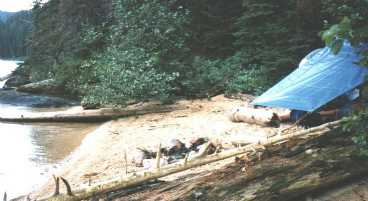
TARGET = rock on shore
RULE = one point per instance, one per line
(12, 97)
(15, 81)
(43, 87)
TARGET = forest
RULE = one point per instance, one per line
(114, 51)
(14, 31)
(171, 70)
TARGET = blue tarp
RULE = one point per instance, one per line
(321, 77)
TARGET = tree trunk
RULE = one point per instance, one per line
(262, 117)
(290, 171)
(309, 14)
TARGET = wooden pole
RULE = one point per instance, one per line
(158, 158)
(126, 162)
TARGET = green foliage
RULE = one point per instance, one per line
(147, 46)
(351, 24)
(120, 76)
(154, 27)
(335, 35)
(251, 81)
(358, 127)
(267, 35)
(113, 51)
(209, 76)
(56, 40)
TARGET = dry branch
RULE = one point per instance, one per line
(68, 188)
(57, 185)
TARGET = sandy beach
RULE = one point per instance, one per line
(100, 158)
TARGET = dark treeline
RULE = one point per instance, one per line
(4, 15)
(112, 51)
(14, 31)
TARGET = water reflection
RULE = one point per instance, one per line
(53, 142)
(30, 152)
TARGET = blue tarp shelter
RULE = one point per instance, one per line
(321, 77)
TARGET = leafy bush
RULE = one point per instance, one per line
(146, 49)
(121, 76)
(358, 127)
(208, 77)
(350, 23)
(252, 81)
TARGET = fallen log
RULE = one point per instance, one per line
(262, 117)
(250, 150)
(99, 115)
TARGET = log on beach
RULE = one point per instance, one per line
(98, 115)
(262, 117)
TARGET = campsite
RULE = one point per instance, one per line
(186, 121)
(238, 129)
(195, 100)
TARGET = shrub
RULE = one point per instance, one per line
(253, 81)
(357, 126)
(116, 77)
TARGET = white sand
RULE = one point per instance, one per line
(102, 152)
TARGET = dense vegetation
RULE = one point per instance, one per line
(113, 51)
(14, 31)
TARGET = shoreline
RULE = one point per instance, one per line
(101, 154)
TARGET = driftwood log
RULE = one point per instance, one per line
(261, 117)
(99, 115)
(254, 151)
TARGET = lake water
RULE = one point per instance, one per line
(29, 153)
